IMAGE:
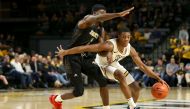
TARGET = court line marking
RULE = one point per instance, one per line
(114, 103)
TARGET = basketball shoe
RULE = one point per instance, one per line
(134, 108)
(56, 105)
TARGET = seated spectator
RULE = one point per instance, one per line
(3, 78)
(173, 42)
(185, 53)
(180, 75)
(58, 72)
(27, 68)
(177, 51)
(61, 70)
(160, 68)
(19, 80)
(187, 75)
(17, 64)
(47, 75)
(171, 69)
(36, 66)
(147, 80)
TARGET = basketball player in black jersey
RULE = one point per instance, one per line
(87, 31)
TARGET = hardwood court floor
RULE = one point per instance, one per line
(179, 98)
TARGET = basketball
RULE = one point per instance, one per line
(159, 91)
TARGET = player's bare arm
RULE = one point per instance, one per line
(91, 19)
(103, 36)
(106, 46)
(143, 67)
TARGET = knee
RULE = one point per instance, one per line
(119, 75)
(78, 92)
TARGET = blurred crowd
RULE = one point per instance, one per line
(21, 70)
(174, 73)
(147, 14)
(174, 65)
(179, 44)
(32, 71)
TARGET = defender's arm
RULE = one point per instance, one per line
(106, 46)
(91, 19)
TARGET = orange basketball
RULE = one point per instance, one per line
(159, 91)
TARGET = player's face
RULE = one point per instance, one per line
(124, 38)
(101, 11)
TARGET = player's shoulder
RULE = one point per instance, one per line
(85, 17)
(82, 23)
(112, 41)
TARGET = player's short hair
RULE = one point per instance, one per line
(97, 7)
(120, 30)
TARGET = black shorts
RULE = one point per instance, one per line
(77, 64)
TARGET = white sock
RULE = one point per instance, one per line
(106, 107)
(179, 77)
(58, 98)
(131, 103)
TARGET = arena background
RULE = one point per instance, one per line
(32, 29)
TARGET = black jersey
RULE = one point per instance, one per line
(85, 36)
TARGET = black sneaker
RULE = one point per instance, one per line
(134, 108)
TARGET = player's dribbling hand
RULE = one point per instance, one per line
(126, 12)
(163, 82)
(60, 51)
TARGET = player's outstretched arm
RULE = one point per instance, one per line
(106, 46)
(143, 67)
(91, 19)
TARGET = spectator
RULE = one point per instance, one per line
(171, 69)
(147, 80)
(60, 71)
(173, 42)
(180, 75)
(38, 77)
(10, 72)
(34, 75)
(185, 53)
(160, 68)
(17, 64)
(3, 78)
(183, 35)
(187, 75)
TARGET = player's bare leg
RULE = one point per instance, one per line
(135, 90)
(105, 97)
(124, 88)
